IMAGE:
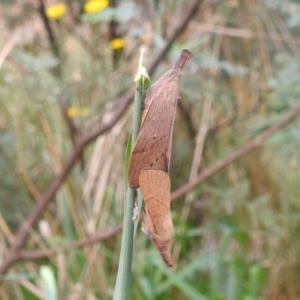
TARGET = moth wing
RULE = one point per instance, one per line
(152, 148)
(157, 86)
(157, 221)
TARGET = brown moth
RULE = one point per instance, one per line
(157, 221)
(150, 159)
(152, 149)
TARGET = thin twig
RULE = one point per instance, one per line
(190, 12)
(244, 33)
(243, 151)
(102, 236)
(48, 28)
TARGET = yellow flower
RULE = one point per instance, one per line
(77, 111)
(93, 6)
(56, 11)
(117, 43)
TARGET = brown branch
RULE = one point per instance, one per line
(122, 103)
(101, 236)
(221, 164)
(49, 31)
(190, 12)
(243, 151)
(244, 33)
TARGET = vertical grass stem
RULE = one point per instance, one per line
(122, 287)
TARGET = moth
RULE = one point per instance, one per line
(152, 149)
(150, 158)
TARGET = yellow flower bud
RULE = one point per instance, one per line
(74, 111)
(56, 11)
(93, 6)
(117, 43)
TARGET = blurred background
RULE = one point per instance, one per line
(64, 70)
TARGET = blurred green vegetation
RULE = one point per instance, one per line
(239, 235)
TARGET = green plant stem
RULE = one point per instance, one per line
(124, 271)
(122, 288)
(138, 103)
